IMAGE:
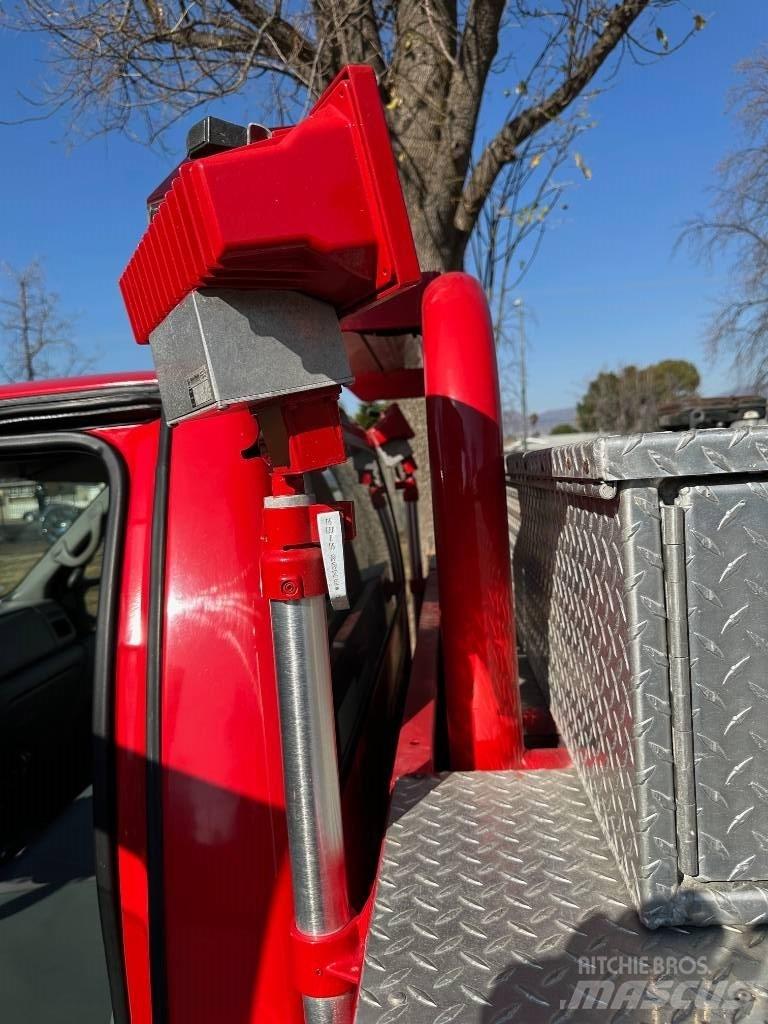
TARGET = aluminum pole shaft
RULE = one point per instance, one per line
(310, 767)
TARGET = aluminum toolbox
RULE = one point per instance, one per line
(641, 581)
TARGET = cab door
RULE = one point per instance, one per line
(59, 516)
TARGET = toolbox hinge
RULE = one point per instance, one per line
(673, 536)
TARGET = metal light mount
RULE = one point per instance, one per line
(223, 348)
(255, 250)
(391, 434)
(383, 342)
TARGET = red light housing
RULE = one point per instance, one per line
(316, 209)
(390, 426)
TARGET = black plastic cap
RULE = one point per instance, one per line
(213, 135)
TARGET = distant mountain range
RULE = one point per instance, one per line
(547, 419)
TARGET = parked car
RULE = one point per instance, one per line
(56, 519)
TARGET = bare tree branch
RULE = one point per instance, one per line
(476, 52)
(737, 229)
(138, 66)
(503, 148)
(348, 33)
(289, 45)
(36, 337)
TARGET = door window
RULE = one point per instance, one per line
(53, 514)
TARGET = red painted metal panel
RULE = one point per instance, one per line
(398, 313)
(71, 385)
(464, 425)
(390, 426)
(138, 447)
(227, 891)
(416, 743)
(371, 387)
(228, 901)
(228, 910)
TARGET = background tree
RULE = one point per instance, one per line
(736, 229)
(139, 66)
(626, 401)
(368, 413)
(562, 428)
(36, 338)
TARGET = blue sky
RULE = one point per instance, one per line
(606, 289)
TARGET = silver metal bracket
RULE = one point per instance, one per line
(220, 349)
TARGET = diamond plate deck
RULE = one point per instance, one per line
(498, 902)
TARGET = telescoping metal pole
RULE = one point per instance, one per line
(312, 798)
(302, 566)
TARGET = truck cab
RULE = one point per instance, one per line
(138, 708)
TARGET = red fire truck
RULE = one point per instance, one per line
(235, 789)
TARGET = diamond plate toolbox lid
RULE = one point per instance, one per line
(641, 576)
(649, 456)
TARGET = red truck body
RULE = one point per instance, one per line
(193, 874)
(251, 696)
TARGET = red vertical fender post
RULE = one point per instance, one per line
(468, 491)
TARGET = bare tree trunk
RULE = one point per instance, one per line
(24, 338)
(434, 254)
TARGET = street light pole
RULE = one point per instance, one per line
(523, 381)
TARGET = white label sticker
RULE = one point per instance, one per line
(330, 529)
(199, 388)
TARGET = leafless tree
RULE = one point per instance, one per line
(506, 240)
(36, 337)
(736, 230)
(139, 65)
